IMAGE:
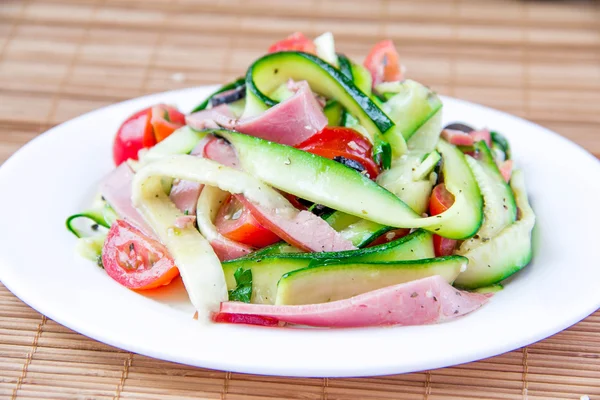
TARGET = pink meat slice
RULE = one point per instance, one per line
(302, 229)
(229, 249)
(184, 194)
(484, 135)
(457, 138)
(424, 301)
(290, 122)
(213, 118)
(116, 190)
(222, 152)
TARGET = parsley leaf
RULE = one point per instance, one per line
(243, 289)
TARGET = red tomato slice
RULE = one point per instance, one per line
(135, 260)
(441, 200)
(295, 42)
(165, 120)
(383, 62)
(236, 222)
(249, 319)
(336, 141)
(131, 136)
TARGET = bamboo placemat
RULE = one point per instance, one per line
(61, 58)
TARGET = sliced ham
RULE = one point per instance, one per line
(213, 118)
(228, 249)
(290, 122)
(460, 138)
(116, 190)
(301, 229)
(221, 151)
(457, 138)
(506, 168)
(424, 301)
(184, 194)
(484, 135)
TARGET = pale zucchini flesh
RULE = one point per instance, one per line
(508, 252)
(322, 283)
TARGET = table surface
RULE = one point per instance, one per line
(61, 58)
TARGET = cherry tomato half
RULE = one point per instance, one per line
(165, 120)
(236, 222)
(383, 62)
(295, 42)
(135, 260)
(144, 129)
(337, 141)
(441, 200)
(132, 136)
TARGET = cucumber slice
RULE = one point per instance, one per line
(91, 247)
(233, 85)
(411, 106)
(362, 79)
(270, 71)
(400, 180)
(363, 232)
(325, 46)
(499, 208)
(267, 270)
(327, 182)
(93, 221)
(428, 135)
(427, 165)
(500, 144)
(282, 93)
(322, 282)
(345, 66)
(508, 252)
(333, 111)
(182, 141)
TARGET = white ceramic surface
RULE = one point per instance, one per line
(56, 174)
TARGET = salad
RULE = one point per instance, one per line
(313, 191)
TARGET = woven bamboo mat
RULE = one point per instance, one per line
(61, 58)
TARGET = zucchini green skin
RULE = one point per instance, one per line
(499, 208)
(500, 142)
(345, 65)
(327, 182)
(322, 282)
(100, 213)
(94, 215)
(233, 85)
(268, 269)
(508, 252)
(268, 72)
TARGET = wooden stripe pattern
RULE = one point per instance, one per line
(61, 58)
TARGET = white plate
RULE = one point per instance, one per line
(55, 175)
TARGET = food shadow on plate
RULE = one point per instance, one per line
(173, 295)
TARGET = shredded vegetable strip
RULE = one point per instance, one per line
(197, 262)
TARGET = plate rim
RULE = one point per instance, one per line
(19, 290)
